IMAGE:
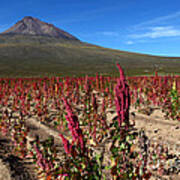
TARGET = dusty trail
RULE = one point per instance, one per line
(159, 129)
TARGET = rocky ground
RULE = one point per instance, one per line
(161, 131)
(158, 130)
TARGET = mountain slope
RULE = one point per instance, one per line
(76, 59)
(32, 51)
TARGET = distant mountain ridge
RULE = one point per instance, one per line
(33, 26)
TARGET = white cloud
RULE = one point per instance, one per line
(159, 27)
(159, 20)
(129, 42)
(109, 33)
(157, 32)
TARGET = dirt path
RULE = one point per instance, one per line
(161, 131)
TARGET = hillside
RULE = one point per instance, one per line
(35, 48)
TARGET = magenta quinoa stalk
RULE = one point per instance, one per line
(122, 99)
(73, 126)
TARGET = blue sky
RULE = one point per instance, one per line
(151, 27)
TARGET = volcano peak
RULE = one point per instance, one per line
(33, 26)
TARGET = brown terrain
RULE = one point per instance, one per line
(158, 130)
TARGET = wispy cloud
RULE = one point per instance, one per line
(109, 33)
(102, 34)
(129, 42)
(3, 27)
(158, 32)
(81, 16)
(159, 20)
(159, 27)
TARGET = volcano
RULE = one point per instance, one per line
(33, 26)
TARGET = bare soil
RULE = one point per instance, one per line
(157, 128)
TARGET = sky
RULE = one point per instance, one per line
(143, 26)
